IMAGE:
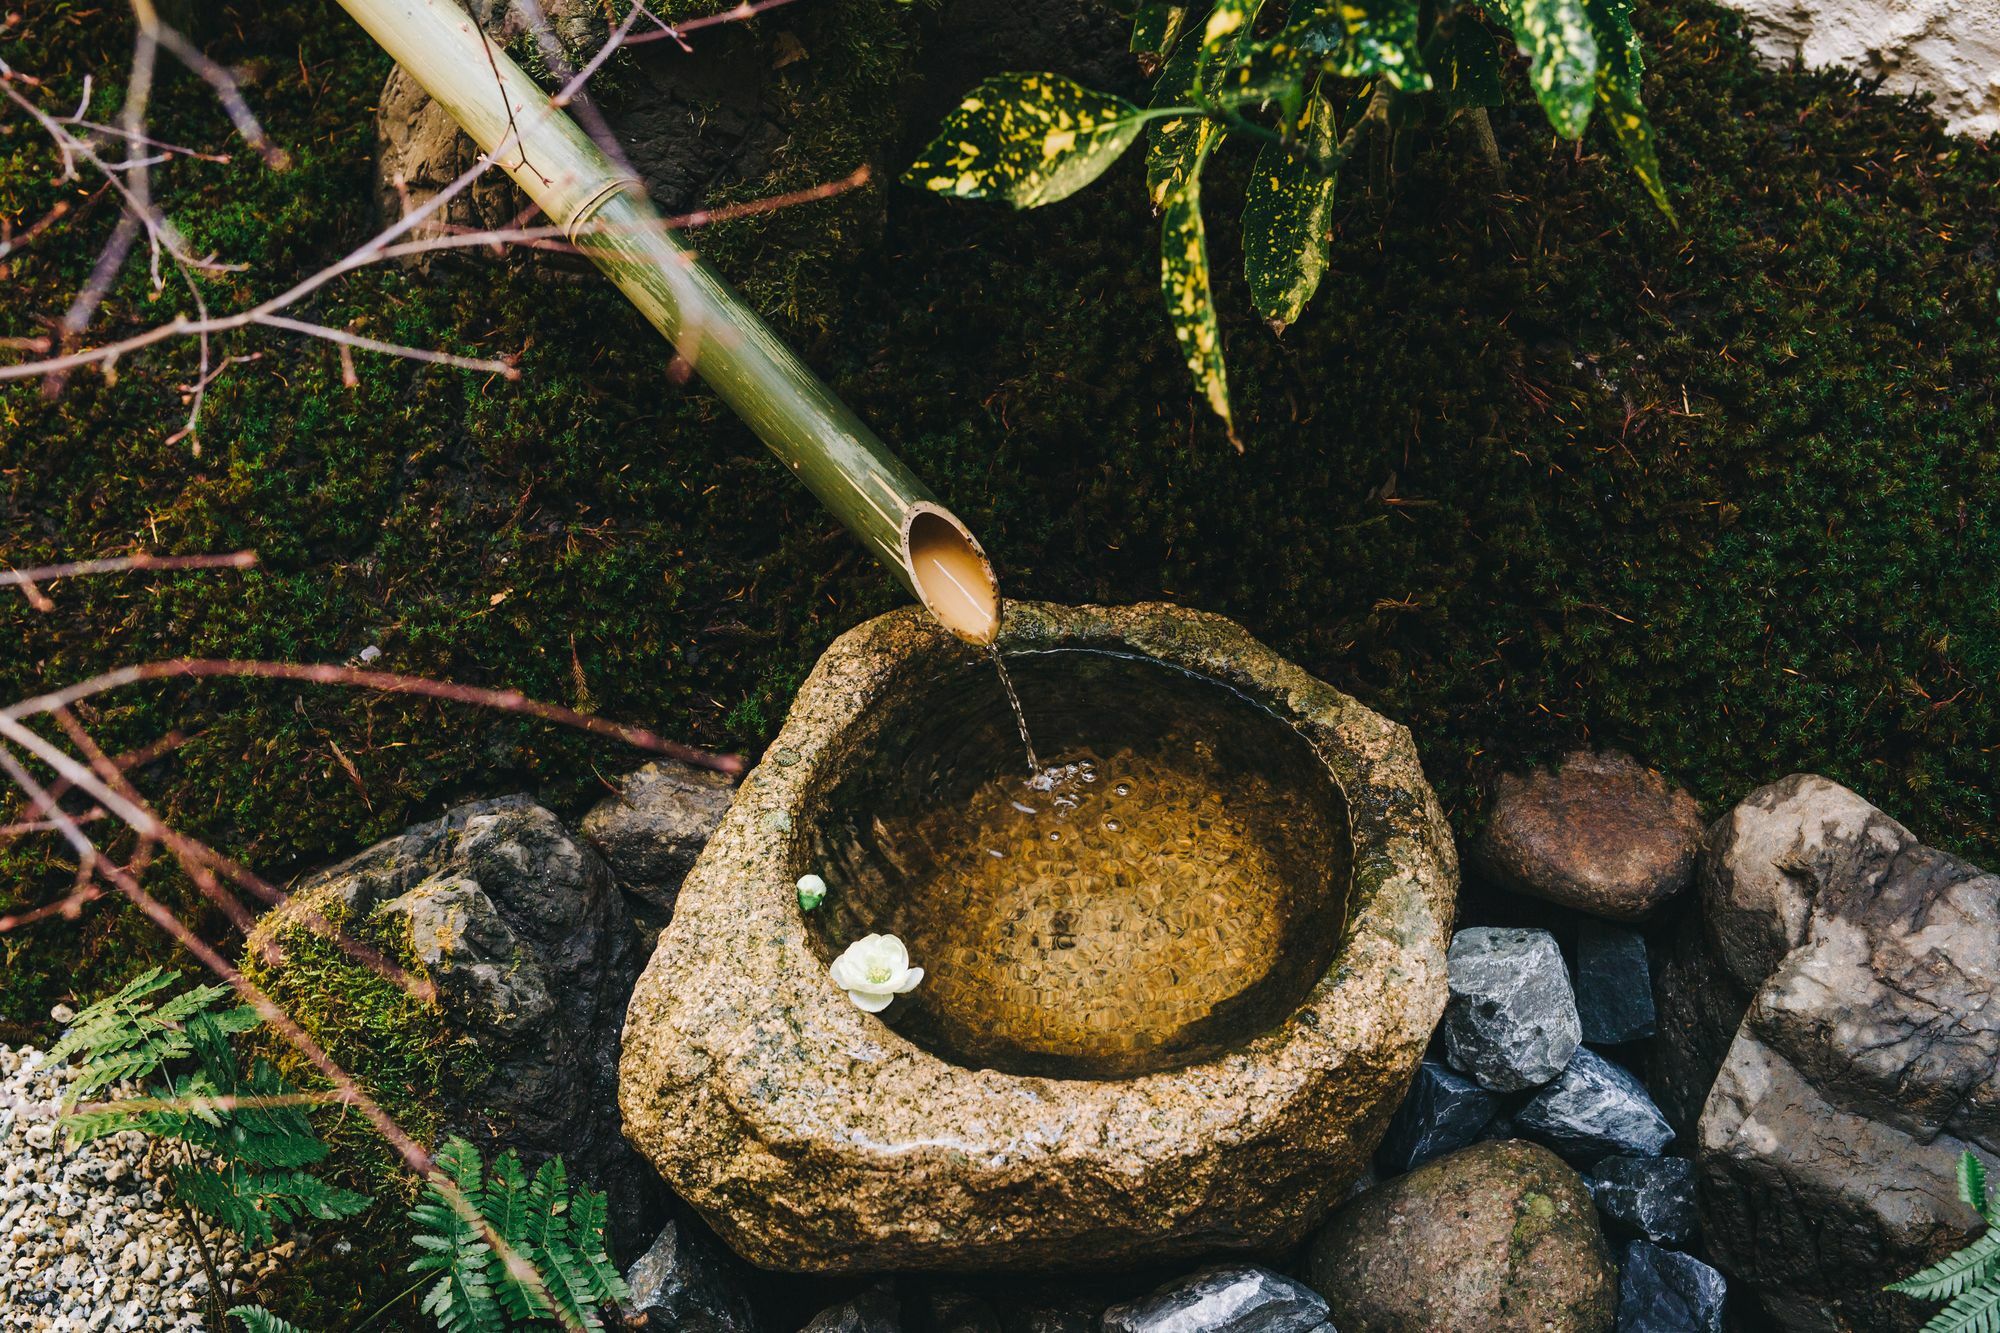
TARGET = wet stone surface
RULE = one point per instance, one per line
(684, 1283)
(1499, 1238)
(1511, 1022)
(1662, 1291)
(1614, 984)
(1595, 1109)
(1442, 1113)
(815, 1137)
(1240, 1298)
(1601, 833)
(1651, 1197)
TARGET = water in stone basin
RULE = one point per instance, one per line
(1170, 884)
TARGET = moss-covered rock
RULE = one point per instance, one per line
(1501, 1237)
(517, 930)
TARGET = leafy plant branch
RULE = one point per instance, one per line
(1306, 65)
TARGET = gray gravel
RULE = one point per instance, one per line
(86, 1241)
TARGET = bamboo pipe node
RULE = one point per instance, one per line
(591, 206)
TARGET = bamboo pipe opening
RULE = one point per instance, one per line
(951, 574)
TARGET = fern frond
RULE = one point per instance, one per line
(548, 1200)
(454, 1245)
(259, 1320)
(570, 1290)
(1956, 1272)
(1972, 1184)
(586, 1242)
(1976, 1311)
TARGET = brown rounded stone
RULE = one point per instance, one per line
(816, 1137)
(1497, 1237)
(1600, 832)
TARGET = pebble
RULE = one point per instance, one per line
(87, 1241)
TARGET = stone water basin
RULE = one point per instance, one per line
(1174, 989)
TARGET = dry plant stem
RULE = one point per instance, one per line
(511, 701)
(40, 574)
(1489, 147)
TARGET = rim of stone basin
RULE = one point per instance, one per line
(815, 1137)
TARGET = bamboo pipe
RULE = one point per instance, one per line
(606, 213)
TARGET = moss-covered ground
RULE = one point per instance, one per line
(1535, 469)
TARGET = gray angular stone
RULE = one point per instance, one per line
(1441, 1113)
(1660, 1291)
(1511, 1022)
(1614, 985)
(1235, 1298)
(1650, 1197)
(651, 832)
(1595, 1109)
(685, 1284)
(876, 1310)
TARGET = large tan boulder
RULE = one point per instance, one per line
(815, 1136)
(1500, 1237)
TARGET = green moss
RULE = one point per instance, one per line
(400, 1049)
(1533, 470)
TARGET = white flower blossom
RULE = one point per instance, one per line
(875, 970)
(812, 890)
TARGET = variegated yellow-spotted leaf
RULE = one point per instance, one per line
(1287, 216)
(1155, 29)
(1029, 139)
(1178, 142)
(1556, 37)
(1228, 26)
(1621, 64)
(1382, 41)
(1190, 304)
(1193, 75)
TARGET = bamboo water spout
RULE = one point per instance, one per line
(606, 213)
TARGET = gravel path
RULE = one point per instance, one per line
(86, 1241)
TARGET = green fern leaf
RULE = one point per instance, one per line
(586, 1243)
(505, 1203)
(1972, 1183)
(570, 1289)
(1976, 1311)
(259, 1320)
(453, 1245)
(1955, 1273)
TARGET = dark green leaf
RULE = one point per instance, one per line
(1287, 215)
(1972, 1183)
(1466, 62)
(1027, 139)
(1556, 37)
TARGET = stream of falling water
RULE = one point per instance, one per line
(1020, 718)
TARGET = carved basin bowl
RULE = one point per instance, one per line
(1188, 1046)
